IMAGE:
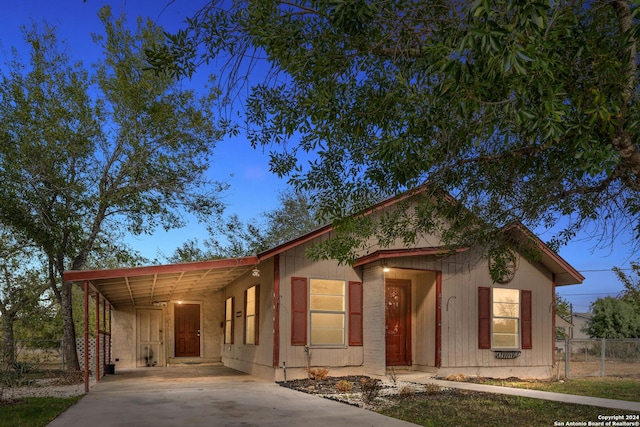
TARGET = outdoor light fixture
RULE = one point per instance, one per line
(255, 272)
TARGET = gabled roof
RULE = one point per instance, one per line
(157, 284)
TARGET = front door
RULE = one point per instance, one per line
(187, 327)
(398, 322)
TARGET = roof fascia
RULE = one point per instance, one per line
(82, 275)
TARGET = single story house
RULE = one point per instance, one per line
(278, 313)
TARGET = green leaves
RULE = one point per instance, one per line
(525, 111)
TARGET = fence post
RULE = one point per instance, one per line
(566, 357)
(602, 357)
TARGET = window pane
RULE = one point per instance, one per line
(327, 287)
(229, 309)
(504, 309)
(509, 326)
(227, 332)
(327, 328)
(251, 301)
(251, 330)
(327, 303)
(505, 341)
(506, 295)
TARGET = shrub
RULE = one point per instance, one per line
(344, 386)
(406, 392)
(370, 389)
(432, 389)
(318, 373)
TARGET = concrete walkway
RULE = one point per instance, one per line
(207, 396)
(625, 405)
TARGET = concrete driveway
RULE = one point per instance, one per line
(207, 396)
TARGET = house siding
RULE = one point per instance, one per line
(254, 359)
(297, 358)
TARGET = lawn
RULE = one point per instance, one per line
(452, 407)
(605, 387)
(33, 411)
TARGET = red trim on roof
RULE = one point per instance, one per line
(395, 253)
(80, 275)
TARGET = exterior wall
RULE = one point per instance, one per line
(294, 263)
(123, 337)
(462, 274)
(253, 359)
(125, 330)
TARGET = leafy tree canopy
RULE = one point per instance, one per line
(523, 111)
(613, 318)
(87, 157)
(232, 237)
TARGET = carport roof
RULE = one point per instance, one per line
(157, 284)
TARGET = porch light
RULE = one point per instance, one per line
(255, 272)
(386, 269)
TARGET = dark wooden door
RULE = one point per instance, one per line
(398, 322)
(187, 327)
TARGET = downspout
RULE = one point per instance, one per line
(86, 336)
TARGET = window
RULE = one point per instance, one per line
(251, 301)
(228, 321)
(318, 306)
(504, 319)
(327, 311)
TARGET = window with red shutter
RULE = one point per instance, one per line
(484, 317)
(298, 311)
(355, 314)
(525, 300)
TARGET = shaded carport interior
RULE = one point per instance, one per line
(147, 286)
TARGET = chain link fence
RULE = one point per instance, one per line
(598, 357)
(39, 354)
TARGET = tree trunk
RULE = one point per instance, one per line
(68, 328)
(8, 355)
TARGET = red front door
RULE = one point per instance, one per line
(187, 327)
(398, 322)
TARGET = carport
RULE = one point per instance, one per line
(145, 286)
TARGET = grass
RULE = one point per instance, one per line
(33, 411)
(463, 408)
(605, 387)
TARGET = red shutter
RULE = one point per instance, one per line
(298, 311)
(484, 317)
(525, 316)
(355, 313)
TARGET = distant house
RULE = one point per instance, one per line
(580, 321)
(279, 313)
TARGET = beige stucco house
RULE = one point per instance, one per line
(278, 313)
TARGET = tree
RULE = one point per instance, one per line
(613, 318)
(564, 310)
(631, 284)
(523, 111)
(84, 159)
(22, 283)
(235, 238)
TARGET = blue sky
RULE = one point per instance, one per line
(253, 188)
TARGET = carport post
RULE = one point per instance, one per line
(97, 337)
(86, 336)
